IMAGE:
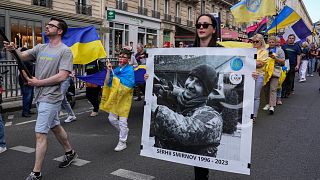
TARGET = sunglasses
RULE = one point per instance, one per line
(205, 26)
(255, 41)
(52, 25)
(181, 44)
(125, 57)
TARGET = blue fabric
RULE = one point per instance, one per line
(27, 96)
(301, 29)
(126, 76)
(291, 52)
(2, 141)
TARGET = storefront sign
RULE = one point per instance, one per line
(111, 14)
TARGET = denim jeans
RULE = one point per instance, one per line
(311, 66)
(2, 141)
(257, 92)
(65, 104)
(27, 96)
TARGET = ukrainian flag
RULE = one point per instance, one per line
(252, 10)
(84, 43)
(117, 94)
(286, 17)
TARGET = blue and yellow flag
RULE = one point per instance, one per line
(84, 43)
(117, 94)
(286, 17)
(252, 10)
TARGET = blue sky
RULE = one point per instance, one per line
(313, 8)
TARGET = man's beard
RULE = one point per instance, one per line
(51, 34)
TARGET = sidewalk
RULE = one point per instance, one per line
(16, 105)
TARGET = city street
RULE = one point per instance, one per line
(285, 145)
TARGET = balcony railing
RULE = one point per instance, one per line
(155, 14)
(167, 17)
(177, 20)
(83, 9)
(121, 5)
(190, 23)
(143, 11)
(44, 3)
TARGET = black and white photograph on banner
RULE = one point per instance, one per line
(199, 103)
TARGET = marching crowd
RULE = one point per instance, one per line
(276, 67)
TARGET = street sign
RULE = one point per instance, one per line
(111, 14)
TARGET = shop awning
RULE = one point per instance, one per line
(229, 34)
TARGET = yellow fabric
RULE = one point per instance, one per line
(235, 44)
(244, 12)
(117, 98)
(268, 70)
(262, 56)
(84, 53)
(282, 78)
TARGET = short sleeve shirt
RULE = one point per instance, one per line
(49, 60)
(291, 52)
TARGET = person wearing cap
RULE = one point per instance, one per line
(193, 127)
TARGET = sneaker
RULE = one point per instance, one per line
(3, 149)
(138, 99)
(32, 176)
(271, 110)
(308, 75)
(266, 108)
(311, 75)
(93, 114)
(70, 119)
(68, 159)
(279, 102)
(121, 146)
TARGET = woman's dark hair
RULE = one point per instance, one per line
(213, 41)
(62, 25)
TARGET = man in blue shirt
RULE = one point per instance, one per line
(292, 52)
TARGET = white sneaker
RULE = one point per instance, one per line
(311, 75)
(308, 75)
(93, 114)
(121, 146)
(266, 108)
(3, 149)
(271, 110)
(70, 119)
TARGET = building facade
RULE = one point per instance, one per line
(24, 20)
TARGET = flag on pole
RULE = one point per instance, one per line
(299, 29)
(84, 43)
(252, 10)
(257, 28)
(285, 18)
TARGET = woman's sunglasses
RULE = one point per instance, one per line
(255, 41)
(205, 26)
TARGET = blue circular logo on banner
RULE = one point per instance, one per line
(253, 5)
(236, 64)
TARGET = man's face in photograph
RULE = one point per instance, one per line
(193, 88)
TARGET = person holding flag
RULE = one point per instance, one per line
(117, 96)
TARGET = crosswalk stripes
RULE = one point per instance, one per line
(132, 175)
(23, 149)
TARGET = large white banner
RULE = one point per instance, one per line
(199, 103)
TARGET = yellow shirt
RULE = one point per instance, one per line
(262, 57)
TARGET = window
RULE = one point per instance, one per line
(178, 9)
(203, 7)
(155, 5)
(141, 3)
(166, 6)
(2, 27)
(213, 9)
(189, 13)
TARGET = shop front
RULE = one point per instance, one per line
(129, 27)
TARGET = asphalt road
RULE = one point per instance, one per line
(285, 146)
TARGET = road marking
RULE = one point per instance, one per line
(131, 175)
(77, 162)
(26, 122)
(10, 117)
(23, 149)
(8, 124)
